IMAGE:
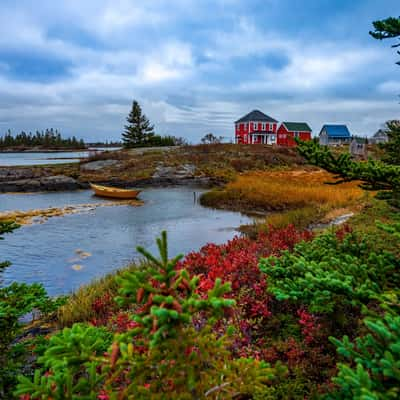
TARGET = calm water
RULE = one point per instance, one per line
(46, 252)
(11, 159)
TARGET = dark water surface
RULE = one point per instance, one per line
(47, 252)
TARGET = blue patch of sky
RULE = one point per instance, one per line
(323, 19)
(240, 69)
(34, 67)
(76, 35)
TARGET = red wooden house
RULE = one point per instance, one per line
(289, 130)
(256, 128)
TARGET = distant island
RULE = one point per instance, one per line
(47, 140)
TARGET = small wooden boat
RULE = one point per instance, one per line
(113, 192)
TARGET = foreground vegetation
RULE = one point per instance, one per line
(287, 315)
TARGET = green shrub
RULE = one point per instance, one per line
(16, 301)
(373, 368)
(69, 353)
(374, 362)
(328, 274)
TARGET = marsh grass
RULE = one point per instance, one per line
(79, 306)
(282, 191)
(299, 217)
(298, 197)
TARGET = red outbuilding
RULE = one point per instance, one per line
(289, 130)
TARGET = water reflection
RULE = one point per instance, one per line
(65, 252)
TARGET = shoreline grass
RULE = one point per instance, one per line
(79, 305)
(294, 196)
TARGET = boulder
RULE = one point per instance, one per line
(185, 171)
(98, 165)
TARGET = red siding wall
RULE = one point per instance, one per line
(242, 130)
(286, 138)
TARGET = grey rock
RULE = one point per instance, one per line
(12, 174)
(98, 165)
(184, 171)
(47, 183)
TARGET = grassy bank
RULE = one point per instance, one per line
(81, 305)
(222, 162)
(289, 196)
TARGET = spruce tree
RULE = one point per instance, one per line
(388, 28)
(138, 132)
(392, 147)
(374, 175)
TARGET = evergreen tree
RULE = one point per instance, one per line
(392, 147)
(138, 132)
(374, 175)
(388, 28)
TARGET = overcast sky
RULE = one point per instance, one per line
(195, 66)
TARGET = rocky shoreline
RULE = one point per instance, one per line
(29, 179)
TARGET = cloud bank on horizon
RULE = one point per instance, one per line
(194, 65)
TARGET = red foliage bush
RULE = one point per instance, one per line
(311, 329)
(259, 319)
(237, 262)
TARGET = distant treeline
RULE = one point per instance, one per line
(105, 144)
(159, 141)
(49, 138)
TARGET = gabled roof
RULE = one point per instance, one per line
(297, 126)
(380, 133)
(336, 131)
(256, 115)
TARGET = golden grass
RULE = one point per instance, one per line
(283, 190)
(300, 217)
(79, 305)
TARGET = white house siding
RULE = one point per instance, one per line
(323, 138)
